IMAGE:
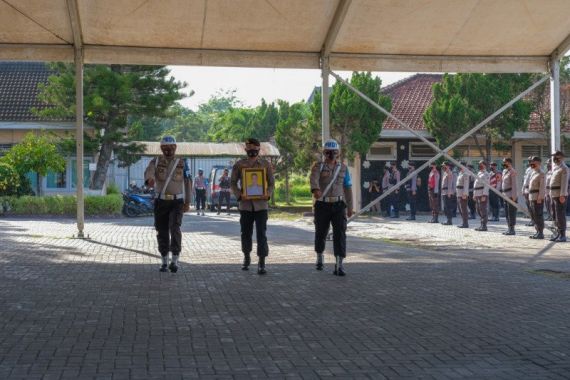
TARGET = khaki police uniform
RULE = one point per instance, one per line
(547, 199)
(536, 195)
(169, 204)
(559, 188)
(331, 207)
(433, 194)
(253, 211)
(481, 195)
(510, 190)
(448, 194)
(462, 194)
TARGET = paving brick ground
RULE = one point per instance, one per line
(420, 301)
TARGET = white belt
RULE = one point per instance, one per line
(333, 199)
(171, 197)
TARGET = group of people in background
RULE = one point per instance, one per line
(477, 192)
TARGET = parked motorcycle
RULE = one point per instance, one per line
(138, 203)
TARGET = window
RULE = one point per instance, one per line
(86, 173)
(382, 151)
(4, 148)
(534, 150)
(56, 180)
(421, 151)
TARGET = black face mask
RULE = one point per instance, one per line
(252, 152)
(330, 154)
(557, 160)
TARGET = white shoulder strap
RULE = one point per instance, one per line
(169, 177)
(331, 183)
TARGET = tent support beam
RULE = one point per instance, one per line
(441, 152)
(562, 49)
(325, 100)
(554, 104)
(334, 27)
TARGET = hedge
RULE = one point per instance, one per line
(106, 205)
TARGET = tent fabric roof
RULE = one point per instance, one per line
(203, 149)
(383, 35)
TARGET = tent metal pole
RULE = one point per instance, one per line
(555, 105)
(435, 147)
(325, 100)
(79, 141)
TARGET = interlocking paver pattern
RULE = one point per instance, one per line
(439, 303)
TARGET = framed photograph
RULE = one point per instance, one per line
(253, 183)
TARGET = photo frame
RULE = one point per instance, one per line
(253, 183)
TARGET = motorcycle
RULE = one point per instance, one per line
(137, 203)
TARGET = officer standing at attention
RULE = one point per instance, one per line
(494, 199)
(547, 200)
(385, 203)
(462, 194)
(433, 193)
(559, 193)
(395, 196)
(253, 210)
(527, 174)
(332, 189)
(481, 194)
(447, 193)
(170, 177)
(225, 188)
(536, 194)
(510, 190)
(411, 190)
(200, 185)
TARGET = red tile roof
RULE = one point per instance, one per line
(410, 98)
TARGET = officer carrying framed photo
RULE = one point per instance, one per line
(332, 190)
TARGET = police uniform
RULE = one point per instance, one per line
(481, 195)
(393, 179)
(331, 207)
(462, 196)
(536, 195)
(412, 191)
(559, 188)
(526, 180)
(494, 199)
(200, 186)
(224, 194)
(253, 211)
(433, 194)
(448, 194)
(385, 203)
(169, 203)
(547, 199)
(510, 190)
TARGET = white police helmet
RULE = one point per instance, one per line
(331, 144)
(168, 140)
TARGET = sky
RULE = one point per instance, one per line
(252, 85)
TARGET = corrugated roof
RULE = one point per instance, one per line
(201, 149)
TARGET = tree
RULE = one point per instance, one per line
(463, 100)
(291, 120)
(112, 95)
(9, 179)
(35, 153)
(354, 123)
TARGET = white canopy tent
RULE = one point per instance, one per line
(376, 35)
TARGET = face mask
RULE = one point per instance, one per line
(330, 154)
(252, 152)
(556, 160)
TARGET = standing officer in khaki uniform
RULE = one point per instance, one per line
(481, 194)
(462, 194)
(447, 192)
(433, 193)
(510, 190)
(332, 189)
(170, 178)
(547, 200)
(253, 211)
(559, 193)
(526, 180)
(536, 194)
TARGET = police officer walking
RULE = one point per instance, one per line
(253, 211)
(448, 193)
(411, 190)
(171, 180)
(559, 194)
(433, 193)
(225, 188)
(462, 195)
(510, 190)
(481, 194)
(536, 194)
(332, 190)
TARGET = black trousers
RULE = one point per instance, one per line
(395, 202)
(200, 199)
(463, 203)
(449, 205)
(560, 216)
(511, 214)
(412, 199)
(472, 204)
(495, 204)
(537, 215)
(167, 221)
(325, 214)
(223, 196)
(246, 221)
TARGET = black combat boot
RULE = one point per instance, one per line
(164, 266)
(261, 266)
(174, 264)
(246, 261)
(338, 268)
(319, 261)
(510, 231)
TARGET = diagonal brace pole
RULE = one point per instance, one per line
(435, 147)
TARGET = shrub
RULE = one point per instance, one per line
(106, 205)
(113, 189)
(9, 179)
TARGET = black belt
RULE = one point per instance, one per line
(533, 191)
(555, 188)
(547, 187)
(444, 188)
(509, 189)
(459, 187)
